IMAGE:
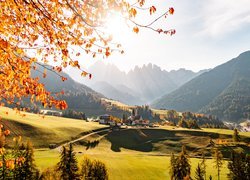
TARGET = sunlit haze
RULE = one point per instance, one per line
(208, 33)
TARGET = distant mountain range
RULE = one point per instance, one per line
(223, 91)
(139, 86)
(78, 96)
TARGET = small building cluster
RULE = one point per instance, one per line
(135, 119)
(50, 112)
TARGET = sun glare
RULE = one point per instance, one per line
(116, 26)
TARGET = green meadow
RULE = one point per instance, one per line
(129, 153)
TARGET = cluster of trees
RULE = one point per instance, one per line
(18, 163)
(145, 112)
(238, 166)
(233, 103)
(74, 114)
(68, 169)
(192, 124)
(192, 120)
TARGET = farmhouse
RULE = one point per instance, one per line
(50, 112)
(104, 119)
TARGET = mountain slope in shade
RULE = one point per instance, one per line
(78, 96)
(223, 91)
(141, 85)
(181, 76)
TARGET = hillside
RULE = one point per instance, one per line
(145, 153)
(223, 91)
(79, 97)
(133, 150)
(43, 131)
(140, 85)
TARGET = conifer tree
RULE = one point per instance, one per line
(239, 166)
(218, 161)
(203, 164)
(30, 170)
(50, 174)
(182, 166)
(86, 168)
(68, 164)
(18, 154)
(199, 172)
(172, 166)
(99, 170)
(61, 165)
(236, 137)
(72, 164)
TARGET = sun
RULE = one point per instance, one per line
(117, 27)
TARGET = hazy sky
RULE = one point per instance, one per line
(209, 33)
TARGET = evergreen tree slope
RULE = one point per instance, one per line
(223, 91)
(78, 96)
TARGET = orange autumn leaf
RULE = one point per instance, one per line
(74, 64)
(152, 10)
(107, 53)
(65, 52)
(141, 2)
(132, 12)
(171, 10)
(84, 74)
(6, 132)
(136, 29)
(63, 78)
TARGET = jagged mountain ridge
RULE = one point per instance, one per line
(140, 85)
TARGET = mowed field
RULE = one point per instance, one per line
(46, 130)
(124, 159)
(144, 154)
(133, 154)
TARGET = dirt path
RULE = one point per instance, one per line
(79, 139)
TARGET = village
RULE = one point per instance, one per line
(135, 120)
(140, 117)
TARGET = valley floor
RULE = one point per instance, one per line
(127, 165)
(133, 154)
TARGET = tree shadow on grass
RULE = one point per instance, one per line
(89, 144)
(137, 139)
(144, 140)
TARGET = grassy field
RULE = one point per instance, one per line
(131, 161)
(130, 165)
(142, 154)
(119, 104)
(211, 130)
(44, 131)
(134, 154)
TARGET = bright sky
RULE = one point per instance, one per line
(209, 33)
